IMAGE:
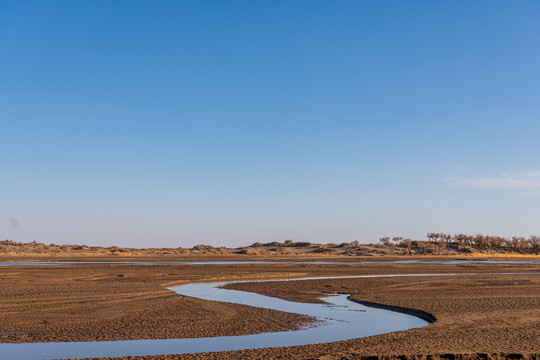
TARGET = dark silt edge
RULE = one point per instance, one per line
(418, 313)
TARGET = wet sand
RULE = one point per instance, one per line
(118, 302)
(485, 313)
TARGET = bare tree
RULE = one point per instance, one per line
(517, 243)
(459, 238)
(496, 242)
(479, 241)
(534, 243)
(432, 236)
(446, 238)
(508, 244)
(385, 240)
(523, 245)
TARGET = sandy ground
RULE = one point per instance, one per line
(475, 314)
(118, 302)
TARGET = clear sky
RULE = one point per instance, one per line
(174, 123)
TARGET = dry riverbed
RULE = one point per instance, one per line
(475, 314)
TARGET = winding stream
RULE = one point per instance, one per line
(338, 319)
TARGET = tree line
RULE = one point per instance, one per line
(530, 245)
(489, 242)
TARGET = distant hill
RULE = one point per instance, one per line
(272, 249)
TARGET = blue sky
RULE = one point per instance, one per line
(166, 123)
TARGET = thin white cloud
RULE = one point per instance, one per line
(525, 181)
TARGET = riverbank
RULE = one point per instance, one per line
(475, 314)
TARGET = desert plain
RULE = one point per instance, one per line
(485, 310)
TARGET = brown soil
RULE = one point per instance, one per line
(118, 302)
(346, 356)
(475, 314)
